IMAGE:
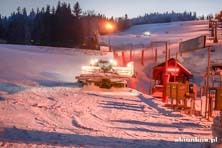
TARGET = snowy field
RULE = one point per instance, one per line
(42, 105)
(59, 116)
(173, 32)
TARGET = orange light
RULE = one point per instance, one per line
(109, 26)
(173, 69)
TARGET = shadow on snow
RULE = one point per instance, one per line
(161, 132)
(11, 88)
(121, 105)
(151, 103)
(51, 83)
(61, 139)
(172, 125)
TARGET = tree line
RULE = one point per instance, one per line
(65, 25)
(164, 17)
(70, 26)
(219, 16)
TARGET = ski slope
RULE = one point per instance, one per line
(174, 32)
(69, 117)
(41, 104)
(33, 65)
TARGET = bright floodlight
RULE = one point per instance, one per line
(109, 26)
(96, 60)
(147, 33)
(113, 62)
(93, 62)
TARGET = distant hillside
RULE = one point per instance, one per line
(164, 17)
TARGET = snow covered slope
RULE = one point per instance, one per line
(70, 117)
(173, 32)
(33, 65)
(41, 105)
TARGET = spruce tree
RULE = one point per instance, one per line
(77, 10)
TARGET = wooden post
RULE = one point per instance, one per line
(205, 93)
(156, 55)
(215, 32)
(185, 102)
(221, 118)
(220, 81)
(207, 87)
(142, 57)
(195, 96)
(212, 32)
(210, 111)
(177, 102)
(166, 56)
(212, 81)
(123, 58)
(169, 54)
(191, 106)
(165, 76)
(114, 55)
(201, 102)
(131, 55)
(210, 23)
(201, 106)
(133, 83)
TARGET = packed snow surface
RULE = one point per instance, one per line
(173, 32)
(59, 116)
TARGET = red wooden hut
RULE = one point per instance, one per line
(177, 72)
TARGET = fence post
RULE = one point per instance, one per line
(131, 56)
(156, 55)
(123, 58)
(169, 54)
(201, 102)
(133, 83)
(142, 58)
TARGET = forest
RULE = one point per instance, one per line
(64, 25)
(69, 26)
(165, 17)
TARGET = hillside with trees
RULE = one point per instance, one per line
(164, 17)
(65, 25)
(68, 25)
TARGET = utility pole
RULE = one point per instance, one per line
(215, 33)
(213, 24)
(207, 84)
(142, 57)
(165, 81)
(155, 55)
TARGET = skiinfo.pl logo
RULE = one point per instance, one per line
(197, 140)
